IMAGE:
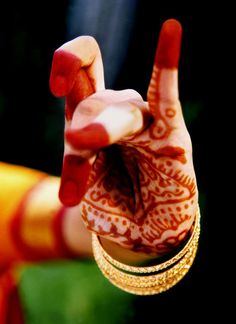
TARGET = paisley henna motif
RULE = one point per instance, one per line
(139, 189)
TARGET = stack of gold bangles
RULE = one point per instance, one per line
(152, 279)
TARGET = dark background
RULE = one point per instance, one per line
(30, 32)
(31, 119)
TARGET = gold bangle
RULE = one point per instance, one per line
(140, 284)
(158, 267)
(146, 285)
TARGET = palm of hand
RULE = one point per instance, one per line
(140, 188)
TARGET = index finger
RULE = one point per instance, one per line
(77, 71)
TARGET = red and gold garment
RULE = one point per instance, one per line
(30, 229)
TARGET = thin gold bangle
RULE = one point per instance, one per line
(139, 280)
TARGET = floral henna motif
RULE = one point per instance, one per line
(139, 189)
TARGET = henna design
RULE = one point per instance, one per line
(139, 189)
(162, 201)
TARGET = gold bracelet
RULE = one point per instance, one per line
(158, 267)
(140, 284)
(146, 285)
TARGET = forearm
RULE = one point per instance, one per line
(33, 223)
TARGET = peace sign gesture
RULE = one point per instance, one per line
(128, 163)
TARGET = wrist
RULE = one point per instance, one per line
(151, 279)
(125, 255)
(76, 236)
(135, 258)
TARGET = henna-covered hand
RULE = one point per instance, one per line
(127, 163)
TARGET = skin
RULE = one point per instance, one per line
(127, 162)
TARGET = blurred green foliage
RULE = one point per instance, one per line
(72, 292)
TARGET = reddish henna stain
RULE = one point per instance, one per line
(168, 50)
(170, 112)
(65, 67)
(173, 152)
(74, 179)
(160, 129)
(91, 137)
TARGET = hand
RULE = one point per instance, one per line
(127, 162)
